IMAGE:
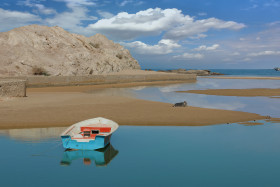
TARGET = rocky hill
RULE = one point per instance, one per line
(42, 50)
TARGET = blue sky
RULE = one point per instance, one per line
(166, 34)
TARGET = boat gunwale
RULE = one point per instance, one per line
(114, 126)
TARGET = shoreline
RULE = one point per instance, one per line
(63, 106)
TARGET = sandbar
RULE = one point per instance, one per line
(238, 92)
(63, 106)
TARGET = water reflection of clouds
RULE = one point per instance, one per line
(170, 88)
(33, 134)
(211, 102)
(206, 83)
(259, 105)
(138, 88)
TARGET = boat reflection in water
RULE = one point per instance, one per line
(101, 157)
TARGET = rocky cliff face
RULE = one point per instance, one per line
(53, 51)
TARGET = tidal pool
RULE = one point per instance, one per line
(219, 155)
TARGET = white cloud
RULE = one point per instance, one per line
(254, 47)
(246, 59)
(105, 14)
(39, 8)
(75, 3)
(191, 27)
(72, 20)
(198, 36)
(264, 53)
(125, 2)
(44, 10)
(150, 22)
(126, 26)
(163, 47)
(275, 23)
(11, 19)
(189, 56)
(205, 48)
(139, 3)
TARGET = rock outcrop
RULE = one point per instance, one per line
(42, 50)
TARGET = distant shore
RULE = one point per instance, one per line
(63, 106)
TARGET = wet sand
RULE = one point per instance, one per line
(238, 92)
(221, 77)
(63, 106)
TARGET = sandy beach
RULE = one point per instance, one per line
(238, 92)
(63, 106)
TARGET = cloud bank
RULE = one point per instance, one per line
(150, 22)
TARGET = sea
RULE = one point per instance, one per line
(243, 72)
(195, 156)
(248, 72)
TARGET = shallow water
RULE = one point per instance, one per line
(248, 72)
(219, 155)
(260, 105)
(244, 72)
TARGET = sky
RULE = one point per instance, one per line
(166, 34)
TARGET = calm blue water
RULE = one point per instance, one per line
(248, 72)
(245, 72)
(221, 155)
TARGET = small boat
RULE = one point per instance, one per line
(277, 69)
(90, 134)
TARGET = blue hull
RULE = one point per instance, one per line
(98, 143)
